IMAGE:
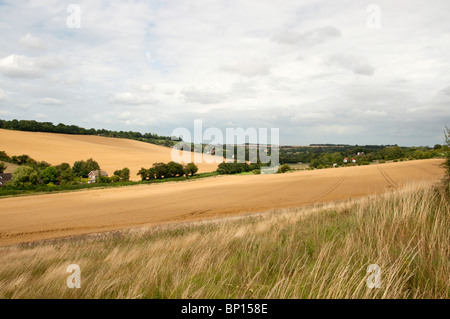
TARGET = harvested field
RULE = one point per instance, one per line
(110, 153)
(39, 217)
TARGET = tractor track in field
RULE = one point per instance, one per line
(332, 188)
(390, 180)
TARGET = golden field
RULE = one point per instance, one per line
(40, 217)
(111, 153)
(311, 252)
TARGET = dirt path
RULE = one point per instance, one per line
(31, 218)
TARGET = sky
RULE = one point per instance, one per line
(351, 72)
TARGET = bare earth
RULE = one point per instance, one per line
(111, 153)
(31, 218)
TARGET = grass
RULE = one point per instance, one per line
(312, 252)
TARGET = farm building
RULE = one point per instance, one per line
(4, 178)
(93, 175)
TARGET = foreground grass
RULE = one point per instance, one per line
(315, 252)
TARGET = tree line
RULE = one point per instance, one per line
(31, 172)
(49, 127)
(169, 170)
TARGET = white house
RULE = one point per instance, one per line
(93, 175)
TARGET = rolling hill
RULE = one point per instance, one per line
(110, 153)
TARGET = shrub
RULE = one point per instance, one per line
(191, 169)
(284, 168)
(50, 175)
(25, 176)
(123, 174)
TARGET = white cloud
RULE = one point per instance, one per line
(194, 95)
(32, 42)
(49, 101)
(308, 38)
(300, 66)
(130, 98)
(355, 64)
(21, 66)
(248, 68)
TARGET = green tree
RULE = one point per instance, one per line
(161, 170)
(2, 167)
(284, 168)
(143, 173)
(92, 165)
(123, 174)
(62, 167)
(67, 176)
(50, 175)
(174, 169)
(4, 157)
(80, 169)
(25, 176)
(191, 169)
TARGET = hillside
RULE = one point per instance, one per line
(64, 214)
(320, 252)
(110, 153)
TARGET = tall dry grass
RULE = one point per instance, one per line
(313, 252)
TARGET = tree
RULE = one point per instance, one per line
(50, 175)
(92, 165)
(25, 176)
(143, 173)
(80, 169)
(83, 168)
(23, 159)
(115, 178)
(123, 174)
(160, 170)
(62, 167)
(174, 169)
(66, 176)
(191, 169)
(4, 157)
(284, 168)
(2, 167)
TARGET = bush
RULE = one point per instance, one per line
(123, 174)
(2, 167)
(284, 168)
(174, 169)
(50, 175)
(25, 176)
(233, 168)
(191, 169)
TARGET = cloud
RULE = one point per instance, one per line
(308, 38)
(194, 95)
(32, 42)
(248, 69)
(21, 66)
(130, 98)
(4, 96)
(49, 101)
(300, 66)
(350, 62)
